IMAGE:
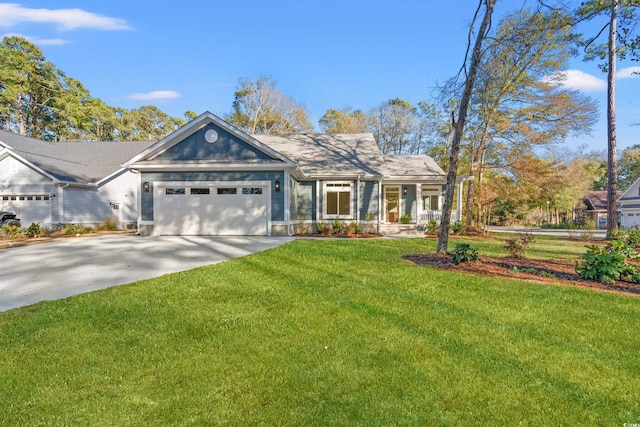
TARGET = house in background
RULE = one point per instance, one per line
(210, 178)
(596, 207)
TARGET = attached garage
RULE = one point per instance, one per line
(29, 208)
(212, 208)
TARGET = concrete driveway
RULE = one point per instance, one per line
(56, 270)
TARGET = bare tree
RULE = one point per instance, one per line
(476, 57)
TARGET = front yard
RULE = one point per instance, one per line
(326, 333)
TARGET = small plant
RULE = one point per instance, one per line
(321, 227)
(338, 226)
(432, 226)
(12, 232)
(356, 227)
(34, 230)
(463, 252)
(76, 229)
(457, 227)
(517, 245)
(108, 224)
(302, 227)
(607, 264)
(544, 273)
(405, 219)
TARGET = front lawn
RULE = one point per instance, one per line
(326, 333)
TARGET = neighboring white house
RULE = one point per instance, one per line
(629, 206)
(71, 182)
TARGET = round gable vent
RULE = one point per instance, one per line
(211, 136)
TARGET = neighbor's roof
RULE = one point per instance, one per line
(330, 155)
(597, 200)
(82, 162)
(413, 165)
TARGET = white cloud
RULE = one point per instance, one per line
(579, 80)
(12, 14)
(628, 73)
(154, 95)
(38, 41)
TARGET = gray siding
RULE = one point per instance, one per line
(410, 205)
(226, 148)
(369, 191)
(277, 197)
(85, 206)
(305, 199)
(121, 189)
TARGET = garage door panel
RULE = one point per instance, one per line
(226, 214)
(29, 208)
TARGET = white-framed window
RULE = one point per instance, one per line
(430, 199)
(338, 200)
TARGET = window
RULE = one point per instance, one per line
(338, 199)
(200, 191)
(256, 190)
(227, 191)
(430, 203)
(173, 191)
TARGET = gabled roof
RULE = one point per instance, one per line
(330, 155)
(75, 162)
(414, 165)
(597, 200)
(146, 157)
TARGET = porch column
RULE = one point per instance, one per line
(459, 213)
(418, 202)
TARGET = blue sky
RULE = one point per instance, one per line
(189, 55)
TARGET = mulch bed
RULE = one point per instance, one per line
(545, 271)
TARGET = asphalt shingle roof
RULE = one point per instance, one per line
(330, 154)
(74, 161)
(412, 165)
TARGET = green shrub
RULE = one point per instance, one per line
(517, 245)
(405, 219)
(76, 229)
(338, 226)
(432, 226)
(356, 227)
(457, 227)
(608, 264)
(12, 232)
(463, 252)
(34, 230)
(108, 224)
(631, 237)
(321, 227)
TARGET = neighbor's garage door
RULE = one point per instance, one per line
(216, 210)
(30, 208)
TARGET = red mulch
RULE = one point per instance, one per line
(545, 271)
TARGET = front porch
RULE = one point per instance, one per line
(407, 206)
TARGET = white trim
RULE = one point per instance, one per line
(287, 201)
(185, 167)
(337, 190)
(319, 216)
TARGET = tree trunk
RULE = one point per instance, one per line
(612, 170)
(443, 232)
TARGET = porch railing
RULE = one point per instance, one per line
(427, 216)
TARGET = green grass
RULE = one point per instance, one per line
(325, 333)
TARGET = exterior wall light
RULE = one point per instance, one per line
(146, 186)
(277, 186)
(404, 190)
